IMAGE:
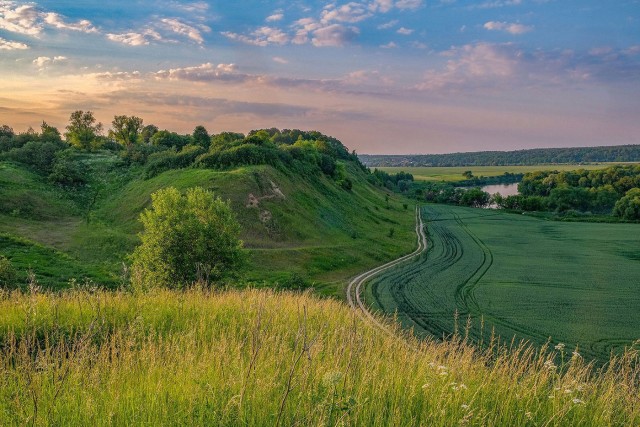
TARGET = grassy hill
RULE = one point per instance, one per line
(264, 358)
(297, 227)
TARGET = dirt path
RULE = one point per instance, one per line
(354, 289)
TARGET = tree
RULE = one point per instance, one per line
(82, 129)
(467, 174)
(147, 132)
(475, 197)
(126, 130)
(201, 137)
(628, 207)
(49, 133)
(187, 238)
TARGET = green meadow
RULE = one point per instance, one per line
(264, 358)
(489, 272)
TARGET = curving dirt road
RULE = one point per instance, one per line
(354, 288)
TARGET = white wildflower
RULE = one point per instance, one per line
(559, 346)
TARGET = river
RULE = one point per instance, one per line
(503, 189)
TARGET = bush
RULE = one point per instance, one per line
(628, 207)
(186, 239)
(8, 274)
(67, 172)
(167, 160)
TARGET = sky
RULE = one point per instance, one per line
(383, 76)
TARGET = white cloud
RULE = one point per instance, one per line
(12, 45)
(388, 25)
(43, 61)
(20, 18)
(57, 21)
(405, 31)
(510, 28)
(263, 36)
(187, 30)
(334, 35)
(383, 6)
(275, 17)
(478, 64)
(390, 45)
(351, 13)
(280, 60)
(202, 73)
(135, 39)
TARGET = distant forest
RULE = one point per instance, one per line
(577, 155)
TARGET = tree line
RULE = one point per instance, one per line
(51, 151)
(537, 156)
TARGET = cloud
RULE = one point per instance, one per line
(484, 65)
(383, 6)
(510, 28)
(135, 39)
(194, 7)
(479, 64)
(263, 36)
(390, 45)
(20, 18)
(279, 60)
(334, 35)
(203, 73)
(57, 21)
(43, 62)
(12, 45)
(187, 30)
(350, 13)
(405, 31)
(275, 17)
(388, 25)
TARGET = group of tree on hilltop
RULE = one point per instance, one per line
(157, 150)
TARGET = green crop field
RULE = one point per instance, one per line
(572, 283)
(452, 174)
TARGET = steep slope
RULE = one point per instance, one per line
(297, 228)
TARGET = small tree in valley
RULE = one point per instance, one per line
(187, 238)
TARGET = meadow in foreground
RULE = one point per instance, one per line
(254, 357)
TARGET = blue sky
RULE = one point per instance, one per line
(384, 76)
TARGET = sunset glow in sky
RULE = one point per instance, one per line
(383, 76)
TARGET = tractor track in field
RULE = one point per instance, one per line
(354, 288)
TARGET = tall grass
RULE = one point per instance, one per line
(264, 358)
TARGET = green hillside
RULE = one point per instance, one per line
(300, 228)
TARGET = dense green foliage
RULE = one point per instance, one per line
(442, 192)
(581, 190)
(538, 156)
(258, 358)
(514, 275)
(186, 239)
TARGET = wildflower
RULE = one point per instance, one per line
(568, 391)
(559, 346)
(465, 406)
(577, 401)
(425, 385)
(550, 365)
